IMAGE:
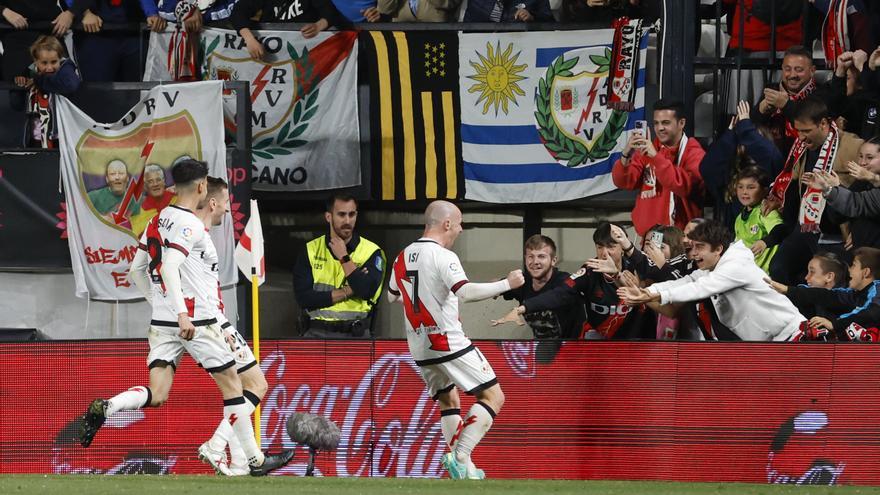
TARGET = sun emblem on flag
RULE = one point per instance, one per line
(497, 77)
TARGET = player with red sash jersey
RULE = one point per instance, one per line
(169, 271)
(429, 280)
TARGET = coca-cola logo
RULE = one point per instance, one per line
(389, 426)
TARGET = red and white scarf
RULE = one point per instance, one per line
(182, 48)
(649, 177)
(624, 68)
(835, 33)
(40, 125)
(804, 92)
(812, 202)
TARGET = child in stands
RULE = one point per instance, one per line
(855, 311)
(49, 73)
(751, 225)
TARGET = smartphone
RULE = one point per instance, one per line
(641, 127)
(656, 238)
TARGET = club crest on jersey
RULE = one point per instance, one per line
(111, 168)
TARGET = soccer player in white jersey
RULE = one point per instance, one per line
(168, 269)
(212, 211)
(429, 280)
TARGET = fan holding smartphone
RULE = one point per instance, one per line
(663, 165)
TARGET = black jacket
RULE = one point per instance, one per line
(562, 322)
(283, 11)
(861, 307)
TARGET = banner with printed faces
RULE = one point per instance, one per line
(117, 177)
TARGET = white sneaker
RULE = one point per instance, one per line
(215, 459)
(236, 470)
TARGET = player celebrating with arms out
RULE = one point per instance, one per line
(169, 271)
(429, 280)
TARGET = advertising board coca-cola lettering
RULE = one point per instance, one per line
(738, 412)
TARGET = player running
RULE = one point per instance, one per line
(429, 280)
(213, 452)
(184, 318)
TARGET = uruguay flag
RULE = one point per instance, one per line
(535, 127)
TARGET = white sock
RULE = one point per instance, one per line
(476, 424)
(450, 422)
(450, 425)
(223, 434)
(134, 398)
(235, 411)
(237, 456)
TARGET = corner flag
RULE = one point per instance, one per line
(251, 260)
(249, 254)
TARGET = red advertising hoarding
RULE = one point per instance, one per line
(593, 410)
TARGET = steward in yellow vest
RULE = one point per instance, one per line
(338, 278)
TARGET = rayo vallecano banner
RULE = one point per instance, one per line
(304, 113)
(118, 176)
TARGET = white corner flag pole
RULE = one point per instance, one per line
(251, 260)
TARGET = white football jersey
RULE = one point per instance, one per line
(178, 228)
(210, 263)
(426, 275)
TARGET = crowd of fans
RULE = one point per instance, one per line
(793, 182)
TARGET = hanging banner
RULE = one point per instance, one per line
(537, 124)
(414, 120)
(117, 176)
(304, 114)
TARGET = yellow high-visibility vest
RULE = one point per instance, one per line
(327, 274)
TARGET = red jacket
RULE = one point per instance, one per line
(757, 34)
(683, 180)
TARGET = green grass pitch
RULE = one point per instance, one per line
(140, 484)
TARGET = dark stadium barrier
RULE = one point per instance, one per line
(593, 410)
(22, 335)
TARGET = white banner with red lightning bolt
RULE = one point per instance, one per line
(117, 177)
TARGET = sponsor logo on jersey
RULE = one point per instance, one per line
(613, 309)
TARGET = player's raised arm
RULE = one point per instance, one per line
(472, 291)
